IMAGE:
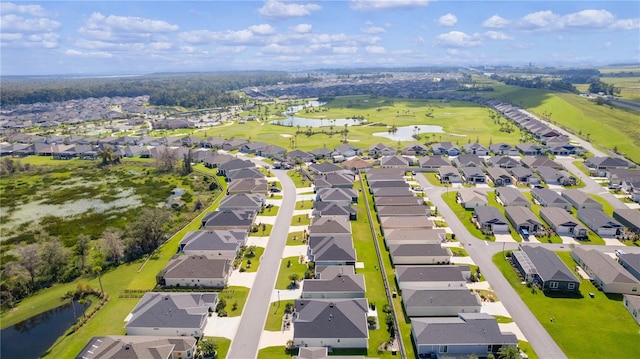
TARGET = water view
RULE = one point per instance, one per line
(406, 133)
(294, 121)
(31, 338)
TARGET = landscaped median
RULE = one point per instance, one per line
(583, 327)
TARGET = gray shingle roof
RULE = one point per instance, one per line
(421, 273)
(439, 298)
(331, 318)
(412, 250)
(214, 240)
(197, 267)
(548, 265)
(467, 328)
(605, 267)
(135, 347)
(170, 310)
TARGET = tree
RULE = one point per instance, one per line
(165, 160)
(111, 245)
(29, 260)
(294, 278)
(186, 163)
(55, 255)
(509, 352)
(208, 347)
(148, 231)
(82, 250)
(98, 271)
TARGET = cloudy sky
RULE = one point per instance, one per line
(120, 37)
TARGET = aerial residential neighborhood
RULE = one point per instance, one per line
(325, 179)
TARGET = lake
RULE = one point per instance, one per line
(31, 338)
(293, 121)
(405, 133)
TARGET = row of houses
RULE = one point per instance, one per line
(612, 275)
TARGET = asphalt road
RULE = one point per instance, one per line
(247, 339)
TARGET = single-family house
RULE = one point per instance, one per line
(471, 198)
(233, 144)
(324, 168)
(228, 219)
(232, 165)
(489, 219)
(630, 262)
(344, 196)
(382, 149)
(467, 160)
(402, 211)
(139, 347)
(606, 274)
(196, 271)
(449, 174)
(333, 249)
(499, 176)
(248, 186)
(468, 334)
(393, 162)
(243, 173)
(168, 314)
(502, 162)
(579, 199)
(445, 148)
(253, 147)
(355, 164)
(529, 149)
(523, 220)
(549, 198)
(543, 268)
(503, 149)
(439, 302)
(321, 153)
(475, 149)
(333, 209)
(472, 175)
(392, 191)
(632, 304)
(347, 150)
(510, 197)
(334, 282)
(213, 243)
(422, 222)
(432, 277)
(397, 201)
(324, 226)
(271, 151)
(243, 201)
(523, 175)
(419, 253)
(415, 149)
(599, 222)
(630, 218)
(553, 176)
(334, 323)
(535, 162)
(215, 159)
(599, 166)
(303, 156)
(333, 180)
(433, 163)
(212, 142)
(394, 236)
(562, 222)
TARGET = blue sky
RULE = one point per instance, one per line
(120, 37)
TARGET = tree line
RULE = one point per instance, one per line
(536, 82)
(193, 90)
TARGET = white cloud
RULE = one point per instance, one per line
(448, 20)
(497, 35)
(278, 49)
(128, 24)
(225, 37)
(11, 8)
(419, 40)
(458, 39)
(345, 50)
(375, 50)
(302, 28)
(381, 5)
(588, 18)
(15, 23)
(99, 54)
(626, 24)
(540, 20)
(263, 29)
(278, 10)
(373, 30)
(495, 22)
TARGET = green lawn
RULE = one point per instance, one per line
(255, 260)
(304, 204)
(300, 220)
(464, 215)
(299, 180)
(492, 202)
(584, 327)
(223, 346)
(269, 211)
(606, 206)
(278, 352)
(433, 179)
(275, 314)
(295, 242)
(235, 296)
(264, 230)
(283, 281)
(458, 252)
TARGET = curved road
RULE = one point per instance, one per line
(247, 339)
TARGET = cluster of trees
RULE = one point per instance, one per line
(598, 86)
(536, 82)
(200, 90)
(10, 166)
(47, 261)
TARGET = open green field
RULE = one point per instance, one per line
(606, 126)
(461, 122)
(584, 327)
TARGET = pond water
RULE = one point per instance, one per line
(406, 133)
(294, 121)
(31, 338)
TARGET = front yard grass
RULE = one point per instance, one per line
(300, 220)
(304, 204)
(283, 281)
(250, 261)
(264, 230)
(235, 297)
(275, 314)
(295, 239)
(433, 179)
(223, 345)
(464, 215)
(584, 327)
(269, 211)
(298, 179)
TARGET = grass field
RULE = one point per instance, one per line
(464, 215)
(584, 327)
(607, 127)
(286, 270)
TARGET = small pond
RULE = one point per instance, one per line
(31, 338)
(406, 133)
(294, 121)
